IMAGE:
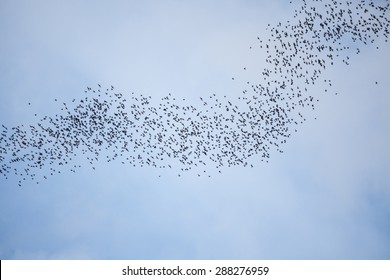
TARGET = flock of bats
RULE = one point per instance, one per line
(105, 125)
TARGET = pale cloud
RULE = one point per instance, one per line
(325, 197)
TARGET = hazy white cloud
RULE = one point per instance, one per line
(325, 197)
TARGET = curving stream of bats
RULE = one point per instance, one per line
(137, 130)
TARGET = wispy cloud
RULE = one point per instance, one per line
(327, 196)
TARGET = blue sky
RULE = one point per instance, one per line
(325, 197)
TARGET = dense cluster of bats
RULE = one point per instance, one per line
(106, 125)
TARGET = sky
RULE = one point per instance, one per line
(326, 197)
